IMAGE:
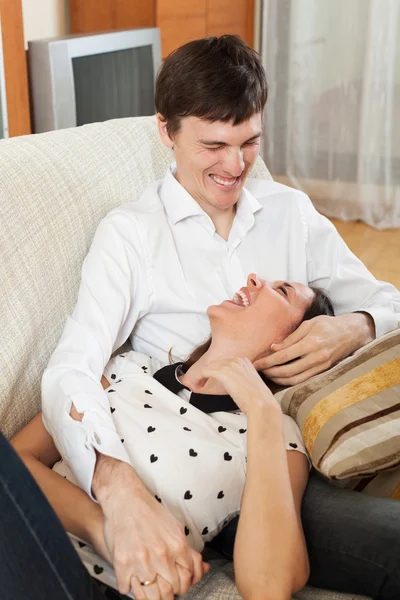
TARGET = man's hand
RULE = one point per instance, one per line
(315, 346)
(145, 541)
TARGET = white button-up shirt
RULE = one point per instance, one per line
(154, 267)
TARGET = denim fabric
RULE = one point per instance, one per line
(37, 560)
(353, 540)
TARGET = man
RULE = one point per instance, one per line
(155, 266)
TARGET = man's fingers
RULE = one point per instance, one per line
(295, 380)
(292, 369)
(293, 338)
(280, 357)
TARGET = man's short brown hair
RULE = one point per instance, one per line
(216, 79)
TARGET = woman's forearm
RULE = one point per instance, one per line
(76, 511)
(270, 556)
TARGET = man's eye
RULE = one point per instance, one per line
(217, 148)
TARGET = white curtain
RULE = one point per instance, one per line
(332, 123)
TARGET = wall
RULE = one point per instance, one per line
(44, 18)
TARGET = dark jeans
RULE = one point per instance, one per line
(37, 560)
(353, 540)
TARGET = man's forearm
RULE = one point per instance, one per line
(111, 475)
(360, 326)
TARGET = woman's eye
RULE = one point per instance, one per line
(283, 289)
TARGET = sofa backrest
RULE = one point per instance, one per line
(54, 190)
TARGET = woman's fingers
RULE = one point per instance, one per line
(147, 592)
(198, 571)
(185, 579)
(164, 587)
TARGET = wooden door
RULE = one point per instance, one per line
(180, 21)
(89, 16)
(15, 68)
(225, 16)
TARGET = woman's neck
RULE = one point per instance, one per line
(193, 378)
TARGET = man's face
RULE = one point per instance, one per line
(214, 160)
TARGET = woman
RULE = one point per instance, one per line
(189, 441)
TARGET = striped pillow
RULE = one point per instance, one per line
(350, 415)
(385, 484)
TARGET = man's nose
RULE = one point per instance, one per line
(234, 163)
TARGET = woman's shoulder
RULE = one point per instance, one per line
(131, 362)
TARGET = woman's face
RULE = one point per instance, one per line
(260, 314)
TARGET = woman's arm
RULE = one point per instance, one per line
(77, 512)
(270, 554)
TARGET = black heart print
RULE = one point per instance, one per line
(153, 458)
(220, 495)
(151, 429)
(221, 429)
(188, 495)
(192, 452)
(227, 456)
(183, 410)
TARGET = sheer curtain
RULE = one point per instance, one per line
(332, 123)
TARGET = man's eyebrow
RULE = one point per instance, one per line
(217, 143)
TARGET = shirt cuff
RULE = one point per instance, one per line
(385, 320)
(81, 439)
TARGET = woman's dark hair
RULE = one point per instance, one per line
(321, 305)
(215, 79)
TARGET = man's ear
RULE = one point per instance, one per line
(162, 129)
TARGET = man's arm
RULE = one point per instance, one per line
(365, 308)
(143, 539)
(113, 291)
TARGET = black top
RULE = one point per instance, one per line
(208, 403)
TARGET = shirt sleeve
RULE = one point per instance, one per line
(113, 294)
(351, 287)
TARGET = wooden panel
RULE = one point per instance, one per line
(134, 13)
(221, 19)
(88, 16)
(15, 67)
(180, 22)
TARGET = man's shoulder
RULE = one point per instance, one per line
(147, 206)
(268, 190)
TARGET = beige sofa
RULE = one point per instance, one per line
(54, 190)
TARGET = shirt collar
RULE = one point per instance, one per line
(207, 403)
(179, 204)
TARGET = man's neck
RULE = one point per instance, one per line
(223, 223)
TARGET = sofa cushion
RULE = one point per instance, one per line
(55, 188)
(350, 415)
